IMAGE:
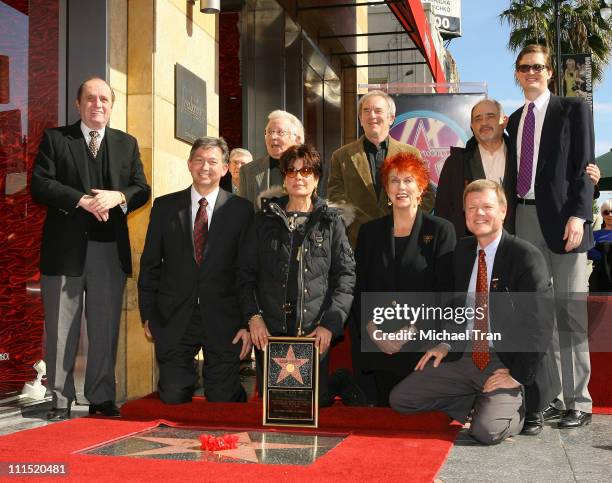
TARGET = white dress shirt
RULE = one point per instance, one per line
(195, 204)
(539, 111)
(494, 163)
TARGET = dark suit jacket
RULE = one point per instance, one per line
(562, 186)
(463, 166)
(170, 281)
(255, 178)
(425, 266)
(61, 177)
(525, 322)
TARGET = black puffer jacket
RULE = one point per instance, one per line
(326, 273)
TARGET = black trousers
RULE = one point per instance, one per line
(177, 368)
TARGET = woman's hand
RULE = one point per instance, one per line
(322, 337)
(259, 332)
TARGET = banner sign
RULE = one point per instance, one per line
(433, 123)
(577, 76)
(447, 15)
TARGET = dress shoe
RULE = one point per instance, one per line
(58, 414)
(574, 419)
(107, 408)
(551, 413)
(533, 425)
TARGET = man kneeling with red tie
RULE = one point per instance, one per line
(488, 378)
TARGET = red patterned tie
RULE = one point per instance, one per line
(200, 231)
(480, 345)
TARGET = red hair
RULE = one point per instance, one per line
(409, 163)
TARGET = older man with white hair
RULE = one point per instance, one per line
(237, 159)
(282, 131)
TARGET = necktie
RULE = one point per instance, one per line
(93, 143)
(523, 184)
(480, 346)
(200, 231)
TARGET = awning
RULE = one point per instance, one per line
(412, 17)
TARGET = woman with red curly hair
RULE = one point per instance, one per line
(407, 251)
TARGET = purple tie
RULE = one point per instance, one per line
(523, 183)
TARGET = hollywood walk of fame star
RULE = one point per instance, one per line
(245, 452)
(433, 155)
(290, 366)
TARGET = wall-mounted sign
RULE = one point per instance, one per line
(189, 105)
(447, 17)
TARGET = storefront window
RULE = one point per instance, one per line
(28, 105)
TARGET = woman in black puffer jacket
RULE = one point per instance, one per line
(301, 273)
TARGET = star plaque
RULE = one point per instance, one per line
(291, 382)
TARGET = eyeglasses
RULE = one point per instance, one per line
(526, 68)
(606, 212)
(304, 172)
(281, 133)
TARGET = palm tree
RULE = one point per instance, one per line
(583, 29)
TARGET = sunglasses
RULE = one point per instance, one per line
(526, 68)
(606, 212)
(304, 172)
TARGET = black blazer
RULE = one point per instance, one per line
(525, 322)
(425, 266)
(60, 178)
(170, 281)
(562, 186)
(463, 166)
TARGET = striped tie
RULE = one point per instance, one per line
(523, 184)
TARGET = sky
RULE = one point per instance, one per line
(482, 55)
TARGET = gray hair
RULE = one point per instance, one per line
(297, 129)
(500, 109)
(240, 152)
(376, 93)
(606, 205)
(211, 142)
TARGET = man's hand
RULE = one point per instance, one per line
(259, 332)
(106, 200)
(594, 173)
(147, 331)
(574, 231)
(439, 352)
(87, 203)
(501, 379)
(243, 335)
(322, 337)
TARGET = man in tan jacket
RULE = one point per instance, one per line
(354, 170)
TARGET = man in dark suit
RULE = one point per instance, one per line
(551, 143)
(90, 177)
(488, 377)
(282, 131)
(187, 282)
(484, 157)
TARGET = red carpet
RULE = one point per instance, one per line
(390, 453)
(600, 343)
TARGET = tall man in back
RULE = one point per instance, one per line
(90, 177)
(187, 283)
(551, 143)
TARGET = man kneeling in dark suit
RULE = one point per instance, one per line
(488, 378)
(187, 283)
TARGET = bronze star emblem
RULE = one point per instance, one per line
(290, 366)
